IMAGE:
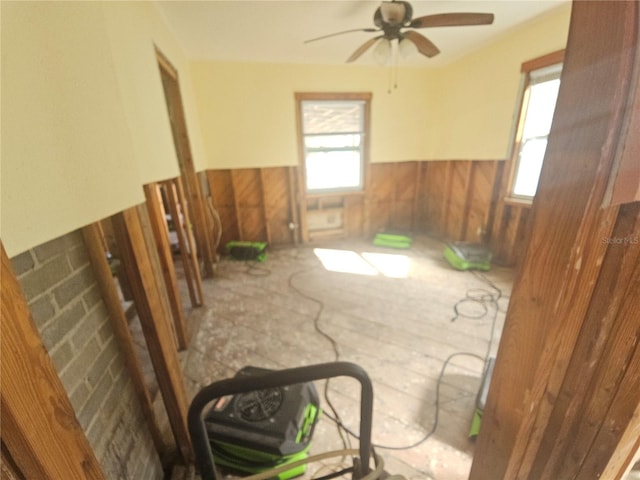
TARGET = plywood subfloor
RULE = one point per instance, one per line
(289, 310)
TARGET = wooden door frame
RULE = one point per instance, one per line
(202, 223)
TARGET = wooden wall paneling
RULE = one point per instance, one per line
(439, 186)
(518, 248)
(612, 363)
(93, 240)
(354, 215)
(565, 275)
(277, 194)
(246, 188)
(428, 198)
(418, 197)
(510, 232)
(39, 426)
(496, 202)
(455, 219)
(294, 204)
(380, 196)
(480, 201)
(404, 193)
(158, 221)
(186, 246)
(498, 223)
(265, 207)
(593, 374)
(155, 322)
(302, 197)
(222, 195)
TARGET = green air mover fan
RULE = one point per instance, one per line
(392, 240)
(481, 399)
(256, 431)
(240, 250)
(468, 256)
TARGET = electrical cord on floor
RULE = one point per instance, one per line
(488, 300)
(255, 270)
(436, 419)
(251, 268)
(334, 345)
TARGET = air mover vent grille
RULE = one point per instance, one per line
(259, 405)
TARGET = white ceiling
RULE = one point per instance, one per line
(275, 30)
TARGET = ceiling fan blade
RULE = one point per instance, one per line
(424, 45)
(363, 48)
(340, 33)
(452, 20)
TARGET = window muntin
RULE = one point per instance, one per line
(333, 144)
(538, 106)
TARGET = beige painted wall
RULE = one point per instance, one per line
(67, 152)
(84, 122)
(479, 94)
(248, 119)
(464, 111)
(140, 85)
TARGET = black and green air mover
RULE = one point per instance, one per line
(243, 250)
(468, 256)
(205, 438)
(256, 431)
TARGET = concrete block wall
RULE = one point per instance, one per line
(66, 305)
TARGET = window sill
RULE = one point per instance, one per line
(337, 193)
(518, 202)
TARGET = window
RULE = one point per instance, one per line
(538, 104)
(333, 137)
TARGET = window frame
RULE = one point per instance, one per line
(363, 97)
(526, 69)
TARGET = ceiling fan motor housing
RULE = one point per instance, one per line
(393, 13)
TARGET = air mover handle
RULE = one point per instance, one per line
(235, 385)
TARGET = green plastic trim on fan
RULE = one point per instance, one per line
(249, 250)
(475, 423)
(311, 414)
(392, 240)
(249, 460)
(457, 260)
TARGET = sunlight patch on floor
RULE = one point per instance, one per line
(367, 263)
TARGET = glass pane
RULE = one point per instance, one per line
(332, 141)
(332, 117)
(542, 103)
(328, 170)
(529, 166)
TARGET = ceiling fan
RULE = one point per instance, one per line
(394, 17)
